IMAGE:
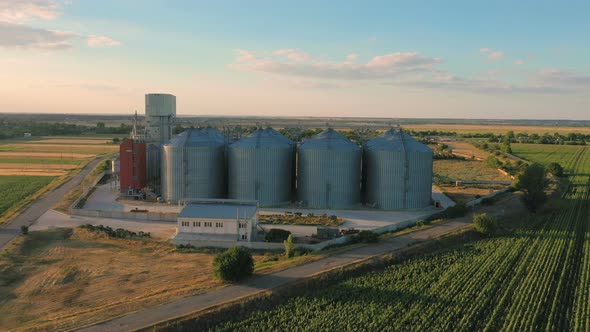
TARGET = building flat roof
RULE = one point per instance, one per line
(219, 210)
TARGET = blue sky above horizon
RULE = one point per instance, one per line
(456, 59)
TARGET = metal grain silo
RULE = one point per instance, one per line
(329, 171)
(260, 167)
(154, 164)
(398, 172)
(193, 165)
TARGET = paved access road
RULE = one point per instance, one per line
(10, 229)
(153, 315)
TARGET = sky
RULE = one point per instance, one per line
(395, 59)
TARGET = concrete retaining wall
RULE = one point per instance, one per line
(153, 216)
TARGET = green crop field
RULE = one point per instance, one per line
(545, 153)
(535, 277)
(14, 189)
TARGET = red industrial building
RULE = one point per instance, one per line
(133, 176)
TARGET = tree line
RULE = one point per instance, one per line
(17, 128)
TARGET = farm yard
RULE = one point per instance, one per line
(65, 278)
(533, 275)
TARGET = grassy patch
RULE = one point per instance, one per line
(452, 170)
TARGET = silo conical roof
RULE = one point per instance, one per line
(397, 140)
(198, 137)
(329, 139)
(267, 137)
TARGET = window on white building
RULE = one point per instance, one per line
(242, 225)
(196, 224)
(219, 224)
(208, 224)
(185, 223)
(244, 237)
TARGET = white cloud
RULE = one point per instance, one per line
(519, 62)
(478, 85)
(485, 50)
(101, 41)
(293, 54)
(352, 57)
(383, 66)
(563, 78)
(14, 35)
(405, 69)
(18, 11)
(496, 55)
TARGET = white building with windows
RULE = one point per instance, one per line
(217, 223)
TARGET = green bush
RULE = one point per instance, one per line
(116, 233)
(289, 246)
(532, 182)
(484, 224)
(276, 235)
(555, 169)
(367, 237)
(233, 264)
(24, 229)
(493, 162)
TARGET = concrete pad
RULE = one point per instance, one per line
(105, 198)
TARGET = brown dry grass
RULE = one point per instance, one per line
(39, 167)
(67, 278)
(474, 170)
(47, 154)
(62, 278)
(32, 172)
(498, 129)
(83, 141)
(84, 149)
(466, 150)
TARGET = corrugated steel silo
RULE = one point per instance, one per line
(329, 167)
(154, 164)
(260, 167)
(398, 172)
(193, 165)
